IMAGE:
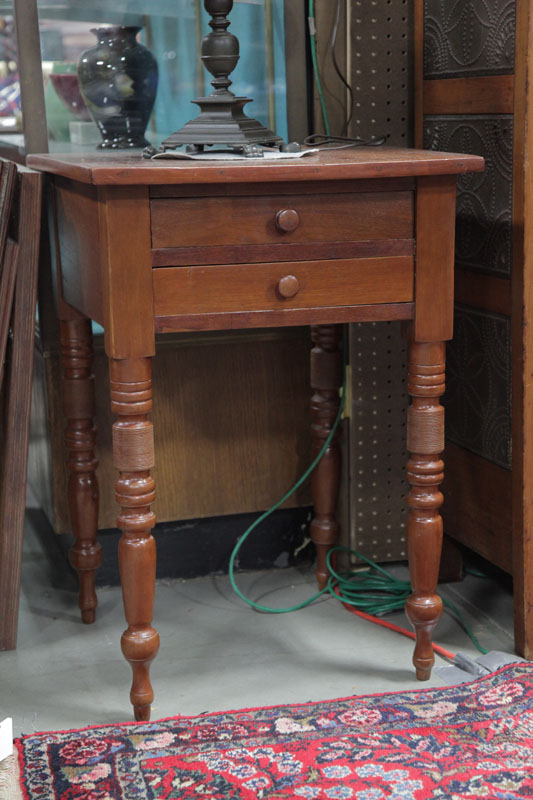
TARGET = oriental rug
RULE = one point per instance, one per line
(470, 741)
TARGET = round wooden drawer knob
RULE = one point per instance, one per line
(289, 286)
(287, 220)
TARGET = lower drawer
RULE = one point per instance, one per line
(263, 287)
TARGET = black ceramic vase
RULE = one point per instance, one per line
(118, 81)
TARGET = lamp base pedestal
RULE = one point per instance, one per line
(222, 121)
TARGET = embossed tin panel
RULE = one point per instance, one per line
(478, 396)
(468, 37)
(484, 201)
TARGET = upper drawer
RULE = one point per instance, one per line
(204, 221)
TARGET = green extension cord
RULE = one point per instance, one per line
(374, 591)
(266, 514)
(314, 58)
(359, 589)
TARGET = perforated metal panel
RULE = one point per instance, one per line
(380, 33)
(377, 432)
(380, 57)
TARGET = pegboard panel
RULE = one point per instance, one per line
(378, 455)
(380, 69)
(380, 49)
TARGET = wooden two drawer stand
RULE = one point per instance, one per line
(159, 246)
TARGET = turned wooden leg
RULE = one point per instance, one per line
(80, 439)
(133, 456)
(425, 472)
(326, 379)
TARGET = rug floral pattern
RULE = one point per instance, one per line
(469, 741)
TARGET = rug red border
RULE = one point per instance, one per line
(18, 742)
(252, 709)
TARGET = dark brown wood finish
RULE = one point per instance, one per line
(8, 254)
(478, 526)
(133, 455)
(8, 276)
(435, 239)
(478, 290)
(433, 325)
(425, 472)
(285, 316)
(228, 289)
(337, 165)
(316, 218)
(522, 335)
(77, 216)
(80, 441)
(220, 422)
(491, 94)
(126, 271)
(326, 380)
(236, 189)
(274, 286)
(258, 253)
(490, 508)
(16, 393)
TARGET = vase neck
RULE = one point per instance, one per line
(116, 33)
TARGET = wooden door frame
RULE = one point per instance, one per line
(522, 334)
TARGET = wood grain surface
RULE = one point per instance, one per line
(483, 527)
(435, 256)
(138, 299)
(325, 315)
(321, 218)
(223, 447)
(479, 290)
(490, 94)
(126, 271)
(522, 335)
(16, 424)
(78, 252)
(239, 189)
(221, 289)
(256, 253)
(359, 163)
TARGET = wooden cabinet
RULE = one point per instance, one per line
(218, 420)
(474, 92)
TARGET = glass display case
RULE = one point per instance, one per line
(172, 30)
(272, 70)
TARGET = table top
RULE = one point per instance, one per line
(124, 168)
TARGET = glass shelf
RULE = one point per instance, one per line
(172, 30)
(110, 10)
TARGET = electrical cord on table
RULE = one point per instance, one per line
(314, 58)
(342, 142)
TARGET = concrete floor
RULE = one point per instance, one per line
(216, 653)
